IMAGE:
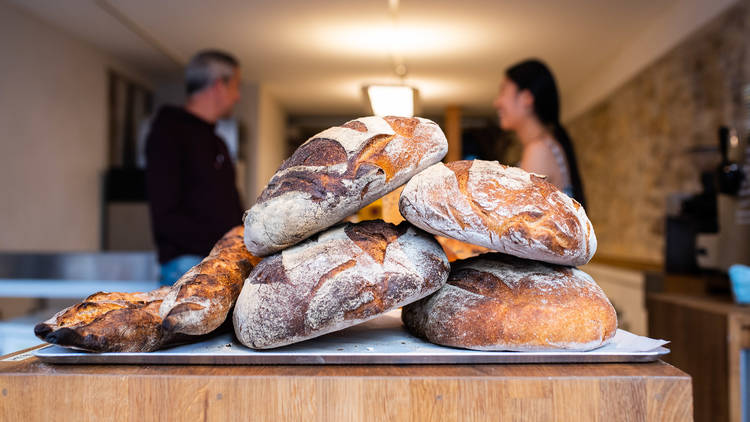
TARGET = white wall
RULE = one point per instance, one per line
(271, 145)
(53, 136)
(246, 112)
(265, 122)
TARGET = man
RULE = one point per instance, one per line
(190, 177)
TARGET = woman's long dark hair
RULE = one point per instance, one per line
(535, 76)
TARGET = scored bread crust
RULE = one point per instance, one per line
(132, 322)
(499, 302)
(108, 322)
(343, 276)
(337, 172)
(200, 301)
(502, 208)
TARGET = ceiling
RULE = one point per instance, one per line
(314, 56)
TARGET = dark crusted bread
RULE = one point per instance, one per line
(499, 302)
(108, 322)
(337, 172)
(131, 322)
(502, 208)
(343, 276)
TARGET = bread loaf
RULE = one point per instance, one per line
(337, 172)
(108, 322)
(196, 304)
(499, 302)
(343, 276)
(502, 208)
(200, 301)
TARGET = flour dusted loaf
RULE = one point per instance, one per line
(502, 208)
(499, 302)
(337, 172)
(345, 275)
(197, 304)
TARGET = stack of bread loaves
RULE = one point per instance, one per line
(315, 278)
(530, 297)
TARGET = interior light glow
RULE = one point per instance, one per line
(391, 100)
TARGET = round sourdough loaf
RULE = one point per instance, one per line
(502, 208)
(343, 276)
(499, 302)
(337, 172)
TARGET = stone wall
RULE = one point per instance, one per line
(633, 146)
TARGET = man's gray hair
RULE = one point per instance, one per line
(206, 67)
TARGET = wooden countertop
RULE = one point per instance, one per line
(628, 263)
(32, 390)
(719, 304)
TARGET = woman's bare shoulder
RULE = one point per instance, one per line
(538, 153)
(538, 158)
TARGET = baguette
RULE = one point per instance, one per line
(197, 304)
(200, 301)
(108, 322)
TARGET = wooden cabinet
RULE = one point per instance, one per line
(707, 335)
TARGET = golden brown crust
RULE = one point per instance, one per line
(200, 300)
(555, 240)
(131, 329)
(157, 294)
(502, 208)
(130, 322)
(108, 322)
(498, 302)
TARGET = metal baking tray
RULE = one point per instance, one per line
(383, 340)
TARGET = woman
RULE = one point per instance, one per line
(528, 104)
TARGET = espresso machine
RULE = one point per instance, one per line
(731, 242)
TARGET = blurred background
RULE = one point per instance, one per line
(645, 88)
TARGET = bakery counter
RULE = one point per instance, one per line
(32, 390)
